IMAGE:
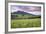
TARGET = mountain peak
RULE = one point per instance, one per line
(23, 12)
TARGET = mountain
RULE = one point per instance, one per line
(22, 12)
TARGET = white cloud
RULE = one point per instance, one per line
(15, 9)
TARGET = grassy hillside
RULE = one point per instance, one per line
(25, 23)
(24, 16)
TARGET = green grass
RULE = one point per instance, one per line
(25, 23)
(26, 16)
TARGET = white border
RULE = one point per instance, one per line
(23, 29)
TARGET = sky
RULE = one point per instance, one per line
(36, 10)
